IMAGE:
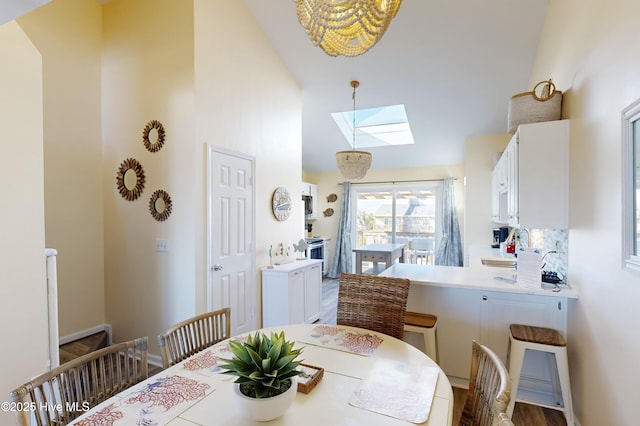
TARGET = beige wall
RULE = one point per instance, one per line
(590, 51)
(247, 101)
(147, 70)
(177, 64)
(70, 49)
(329, 183)
(23, 287)
(108, 70)
(479, 156)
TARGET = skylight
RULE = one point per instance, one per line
(382, 126)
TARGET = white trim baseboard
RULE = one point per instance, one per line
(154, 360)
(87, 332)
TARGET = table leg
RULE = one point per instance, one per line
(358, 263)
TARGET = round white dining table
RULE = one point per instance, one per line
(368, 379)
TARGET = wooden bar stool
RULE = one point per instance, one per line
(424, 324)
(526, 337)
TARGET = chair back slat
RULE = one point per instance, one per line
(65, 392)
(193, 335)
(373, 302)
(489, 390)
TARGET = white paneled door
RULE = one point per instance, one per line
(231, 262)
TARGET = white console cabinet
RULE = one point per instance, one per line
(292, 293)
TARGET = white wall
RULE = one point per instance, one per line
(70, 48)
(590, 51)
(23, 288)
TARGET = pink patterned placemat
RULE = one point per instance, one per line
(155, 401)
(343, 339)
(396, 389)
(207, 361)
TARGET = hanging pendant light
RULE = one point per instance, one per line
(346, 27)
(353, 164)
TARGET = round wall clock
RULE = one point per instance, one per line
(281, 203)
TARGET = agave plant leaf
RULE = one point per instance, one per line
(284, 361)
(256, 359)
(238, 349)
(274, 352)
(266, 365)
(256, 375)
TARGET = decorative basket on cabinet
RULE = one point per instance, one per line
(534, 107)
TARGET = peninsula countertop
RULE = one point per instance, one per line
(483, 278)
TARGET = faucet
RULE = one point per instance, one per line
(528, 236)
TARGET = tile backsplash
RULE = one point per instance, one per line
(554, 246)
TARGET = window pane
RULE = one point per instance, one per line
(393, 214)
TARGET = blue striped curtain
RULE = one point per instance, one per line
(450, 249)
(343, 257)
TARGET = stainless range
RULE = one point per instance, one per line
(318, 248)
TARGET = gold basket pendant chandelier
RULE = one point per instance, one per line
(353, 164)
(346, 27)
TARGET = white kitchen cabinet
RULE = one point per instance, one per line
(535, 191)
(465, 315)
(313, 292)
(503, 182)
(292, 293)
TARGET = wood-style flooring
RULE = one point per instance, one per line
(523, 414)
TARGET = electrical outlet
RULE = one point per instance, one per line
(162, 245)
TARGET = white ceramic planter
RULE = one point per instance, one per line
(265, 409)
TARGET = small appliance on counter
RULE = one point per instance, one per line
(500, 235)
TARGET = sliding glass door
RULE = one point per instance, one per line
(399, 213)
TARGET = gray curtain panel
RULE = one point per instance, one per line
(450, 250)
(342, 257)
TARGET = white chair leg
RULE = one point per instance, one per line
(516, 359)
(565, 384)
(430, 344)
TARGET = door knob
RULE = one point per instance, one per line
(217, 267)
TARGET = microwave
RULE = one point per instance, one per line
(309, 199)
(308, 206)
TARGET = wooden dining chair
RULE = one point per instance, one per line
(489, 390)
(65, 392)
(373, 302)
(193, 335)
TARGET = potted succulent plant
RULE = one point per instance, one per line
(266, 369)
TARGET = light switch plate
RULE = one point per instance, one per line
(162, 245)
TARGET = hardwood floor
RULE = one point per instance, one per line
(83, 346)
(523, 414)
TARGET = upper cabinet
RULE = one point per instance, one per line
(530, 182)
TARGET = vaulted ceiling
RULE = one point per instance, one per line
(454, 64)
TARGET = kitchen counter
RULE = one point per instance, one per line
(471, 304)
(471, 278)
